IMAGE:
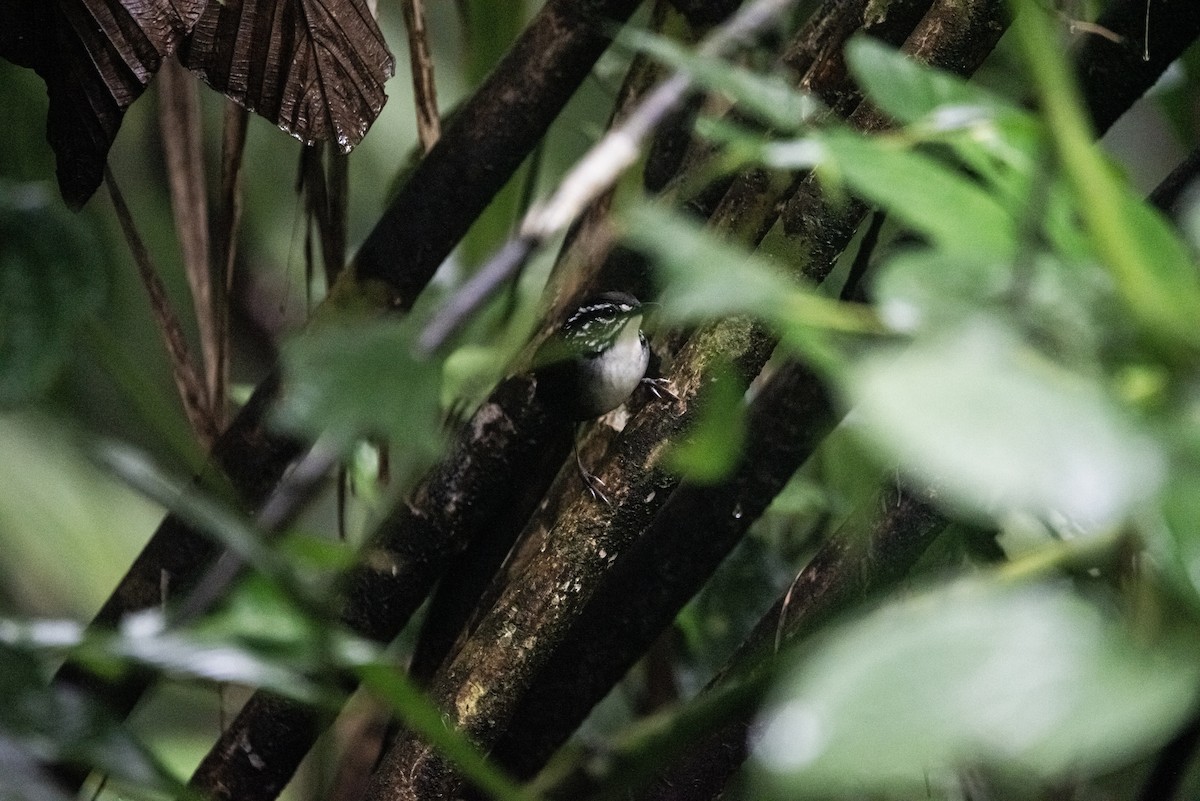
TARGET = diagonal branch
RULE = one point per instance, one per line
(484, 142)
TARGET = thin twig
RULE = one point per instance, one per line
(179, 120)
(233, 147)
(429, 126)
(187, 378)
(598, 170)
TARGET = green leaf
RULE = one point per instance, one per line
(712, 447)
(909, 91)
(353, 381)
(202, 510)
(1174, 540)
(705, 277)
(53, 277)
(1031, 682)
(998, 428)
(944, 204)
(255, 615)
(1175, 281)
(1161, 289)
(143, 639)
(769, 97)
(1068, 309)
(55, 724)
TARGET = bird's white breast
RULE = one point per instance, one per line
(612, 376)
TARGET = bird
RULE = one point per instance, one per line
(593, 363)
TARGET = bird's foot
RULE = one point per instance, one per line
(660, 387)
(593, 483)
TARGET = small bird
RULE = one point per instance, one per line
(594, 362)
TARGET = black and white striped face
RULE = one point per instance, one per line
(596, 324)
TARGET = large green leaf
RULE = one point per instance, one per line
(1030, 682)
(998, 428)
(1070, 310)
(704, 277)
(53, 276)
(348, 381)
(944, 204)
(909, 91)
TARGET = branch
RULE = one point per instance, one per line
(481, 688)
(511, 447)
(485, 141)
(673, 559)
(642, 595)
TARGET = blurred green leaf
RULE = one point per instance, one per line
(1176, 93)
(53, 276)
(705, 277)
(936, 200)
(909, 91)
(1161, 289)
(52, 486)
(1189, 217)
(771, 98)
(1031, 682)
(318, 554)
(258, 616)
(1069, 310)
(713, 446)
(1175, 541)
(923, 289)
(55, 724)
(204, 511)
(998, 428)
(353, 381)
(470, 373)
(1175, 277)
(144, 640)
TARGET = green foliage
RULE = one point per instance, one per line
(1000, 384)
(1029, 354)
(1029, 357)
(1002, 430)
(52, 279)
(770, 98)
(712, 448)
(42, 724)
(1029, 682)
(345, 381)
